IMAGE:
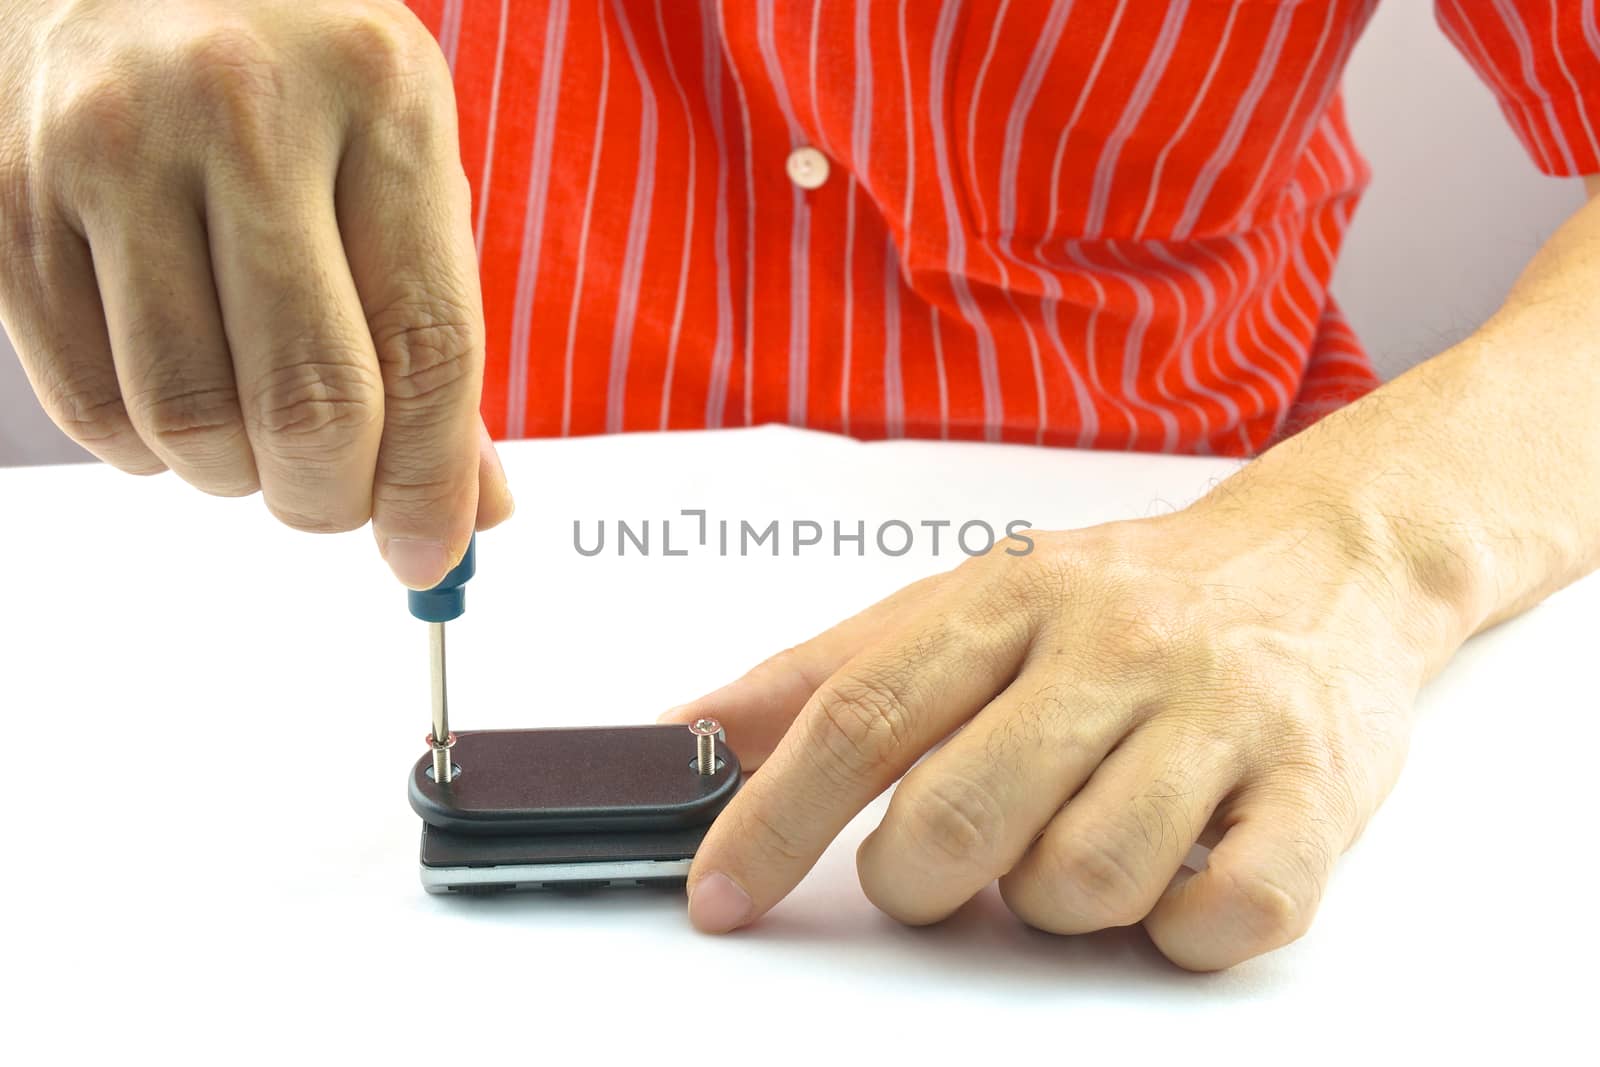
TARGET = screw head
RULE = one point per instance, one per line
(704, 727)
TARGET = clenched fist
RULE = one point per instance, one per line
(236, 244)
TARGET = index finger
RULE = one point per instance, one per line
(862, 729)
(404, 210)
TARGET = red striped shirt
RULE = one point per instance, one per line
(1076, 222)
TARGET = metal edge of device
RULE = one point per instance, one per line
(540, 875)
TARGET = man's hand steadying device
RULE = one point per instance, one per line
(1109, 700)
(1241, 673)
(237, 244)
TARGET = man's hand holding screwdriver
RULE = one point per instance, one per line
(238, 245)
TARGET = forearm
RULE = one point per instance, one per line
(1471, 484)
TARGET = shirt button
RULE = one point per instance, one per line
(807, 167)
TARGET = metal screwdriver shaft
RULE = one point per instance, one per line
(440, 738)
(437, 606)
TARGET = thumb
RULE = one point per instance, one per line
(756, 710)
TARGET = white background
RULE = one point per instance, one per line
(1454, 211)
(209, 857)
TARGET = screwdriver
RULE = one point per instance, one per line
(437, 606)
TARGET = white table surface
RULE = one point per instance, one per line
(210, 854)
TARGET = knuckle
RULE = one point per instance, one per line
(199, 422)
(230, 70)
(1293, 736)
(1134, 634)
(94, 126)
(133, 458)
(1332, 805)
(426, 348)
(403, 489)
(88, 415)
(380, 46)
(98, 420)
(1096, 880)
(235, 89)
(784, 663)
(396, 72)
(790, 666)
(1066, 715)
(956, 821)
(856, 723)
(309, 409)
(331, 521)
(1014, 590)
(1032, 574)
(226, 57)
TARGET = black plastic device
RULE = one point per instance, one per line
(583, 806)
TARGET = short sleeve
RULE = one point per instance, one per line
(1542, 59)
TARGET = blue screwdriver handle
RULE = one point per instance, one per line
(448, 599)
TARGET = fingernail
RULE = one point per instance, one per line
(417, 563)
(717, 904)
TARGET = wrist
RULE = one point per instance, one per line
(1439, 567)
(1428, 582)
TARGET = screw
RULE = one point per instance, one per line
(705, 734)
(443, 767)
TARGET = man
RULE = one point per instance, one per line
(240, 245)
